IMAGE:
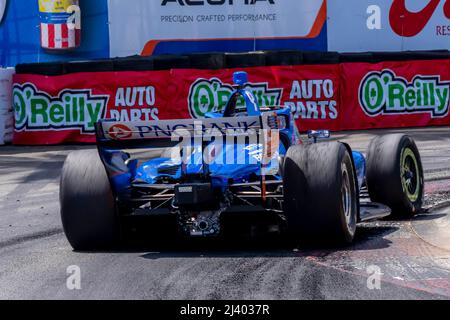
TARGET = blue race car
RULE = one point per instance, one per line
(244, 159)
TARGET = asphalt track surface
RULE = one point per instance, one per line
(413, 256)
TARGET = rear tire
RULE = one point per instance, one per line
(395, 174)
(320, 193)
(88, 209)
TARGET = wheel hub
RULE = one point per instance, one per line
(410, 174)
(347, 198)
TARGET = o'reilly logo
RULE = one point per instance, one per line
(213, 2)
(71, 109)
(212, 96)
(383, 93)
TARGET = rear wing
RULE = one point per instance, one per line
(108, 130)
(262, 130)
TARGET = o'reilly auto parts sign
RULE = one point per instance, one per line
(385, 93)
(36, 110)
(347, 96)
(212, 96)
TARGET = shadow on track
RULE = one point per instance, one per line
(245, 246)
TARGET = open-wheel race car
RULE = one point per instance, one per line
(244, 159)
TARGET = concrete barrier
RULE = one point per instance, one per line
(6, 111)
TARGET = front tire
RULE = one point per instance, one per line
(320, 193)
(395, 174)
(88, 210)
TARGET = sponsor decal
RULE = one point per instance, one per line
(72, 109)
(212, 96)
(406, 23)
(120, 132)
(219, 126)
(384, 93)
(167, 128)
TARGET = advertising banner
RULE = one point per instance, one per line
(311, 92)
(30, 28)
(206, 25)
(53, 110)
(60, 24)
(388, 25)
(395, 94)
(349, 96)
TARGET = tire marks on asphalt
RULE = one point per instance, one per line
(30, 237)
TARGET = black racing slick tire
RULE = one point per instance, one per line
(320, 194)
(88, 209)
(395, 174)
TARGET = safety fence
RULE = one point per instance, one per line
(60, 102)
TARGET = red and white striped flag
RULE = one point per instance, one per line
(59, 36)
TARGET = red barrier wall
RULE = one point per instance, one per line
(53, 110)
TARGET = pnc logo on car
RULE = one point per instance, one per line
(120, 131)
(406, 23)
